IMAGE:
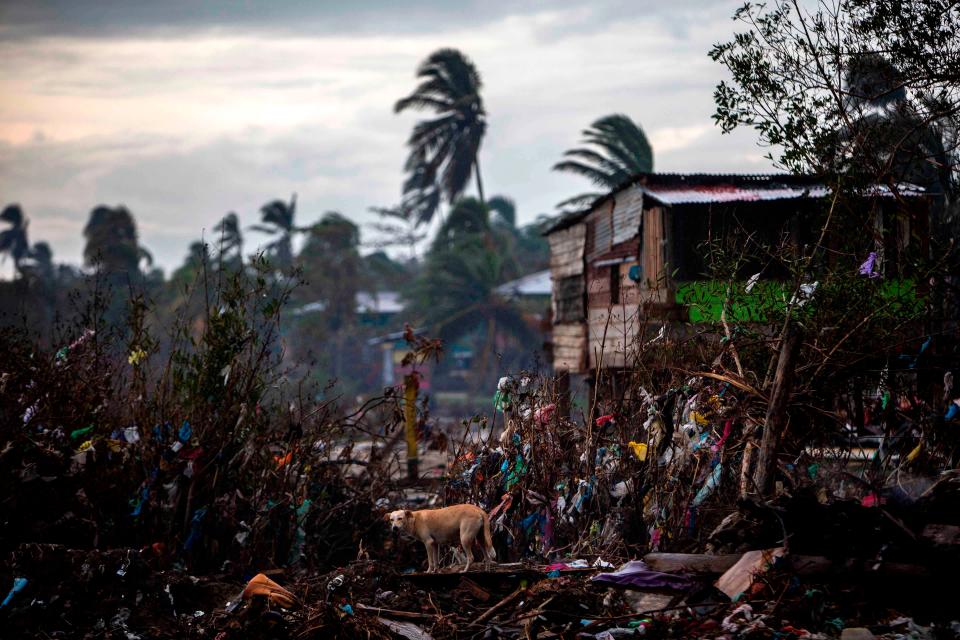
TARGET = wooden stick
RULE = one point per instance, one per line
(489, 613)
(407, 615)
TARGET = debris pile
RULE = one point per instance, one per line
(238, 515)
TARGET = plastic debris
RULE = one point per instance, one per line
(18, 585)
(261, 585)
(868, 268)
(637, 574)
(639, 450)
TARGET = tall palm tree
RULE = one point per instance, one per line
(445, 149)
(112, 241)
(278, 220)
(332, 267)
(14, 240)
(615, 148)
(229, 237)
(421, 193)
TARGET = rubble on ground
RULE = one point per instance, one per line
(636, 519)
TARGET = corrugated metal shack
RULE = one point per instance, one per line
(624, 267)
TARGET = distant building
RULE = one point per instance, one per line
(532, 285)
(372, 307)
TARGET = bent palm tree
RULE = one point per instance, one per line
(278, 220)
(445, 148)
(230, 238)
(14, 240)
(615, 148)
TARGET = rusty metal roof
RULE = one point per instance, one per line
(708, 194)
(671, 194)
(708, 188)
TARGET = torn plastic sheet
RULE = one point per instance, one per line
(638, 574)
(709, 486)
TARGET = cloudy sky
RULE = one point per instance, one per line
(184, 111)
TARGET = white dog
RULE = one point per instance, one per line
(459, 523)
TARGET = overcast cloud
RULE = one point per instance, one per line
(184, 111)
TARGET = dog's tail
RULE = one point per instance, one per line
(488, 539)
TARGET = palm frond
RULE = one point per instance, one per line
(597, 176)
(615, 150)
(13, 214)
(579, 202)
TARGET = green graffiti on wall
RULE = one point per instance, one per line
(767, 300)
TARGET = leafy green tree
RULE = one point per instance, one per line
(278, 219)
(860, 93)
(41, 262)
(468, 219)
(849, 89)
(445, 150)
(198, 255)
(532, 249)
(505, 209)
(615, 149)
(455, 294)
(13, 241)
(456, 297)
(383, 273)
(527, 246)
(112, 242)
(332, 268)
(325, 330)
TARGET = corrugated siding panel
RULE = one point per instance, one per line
(600, 222)
(626, 215)
(566, 251)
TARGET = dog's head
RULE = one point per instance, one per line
(399, 520)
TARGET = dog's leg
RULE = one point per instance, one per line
(466, 541)
(431, 556)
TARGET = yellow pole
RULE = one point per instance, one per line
(410, 388)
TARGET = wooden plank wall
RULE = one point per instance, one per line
(578, 250)
(613, 331)
(566, 260)
(569, 346)
(653, 242)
